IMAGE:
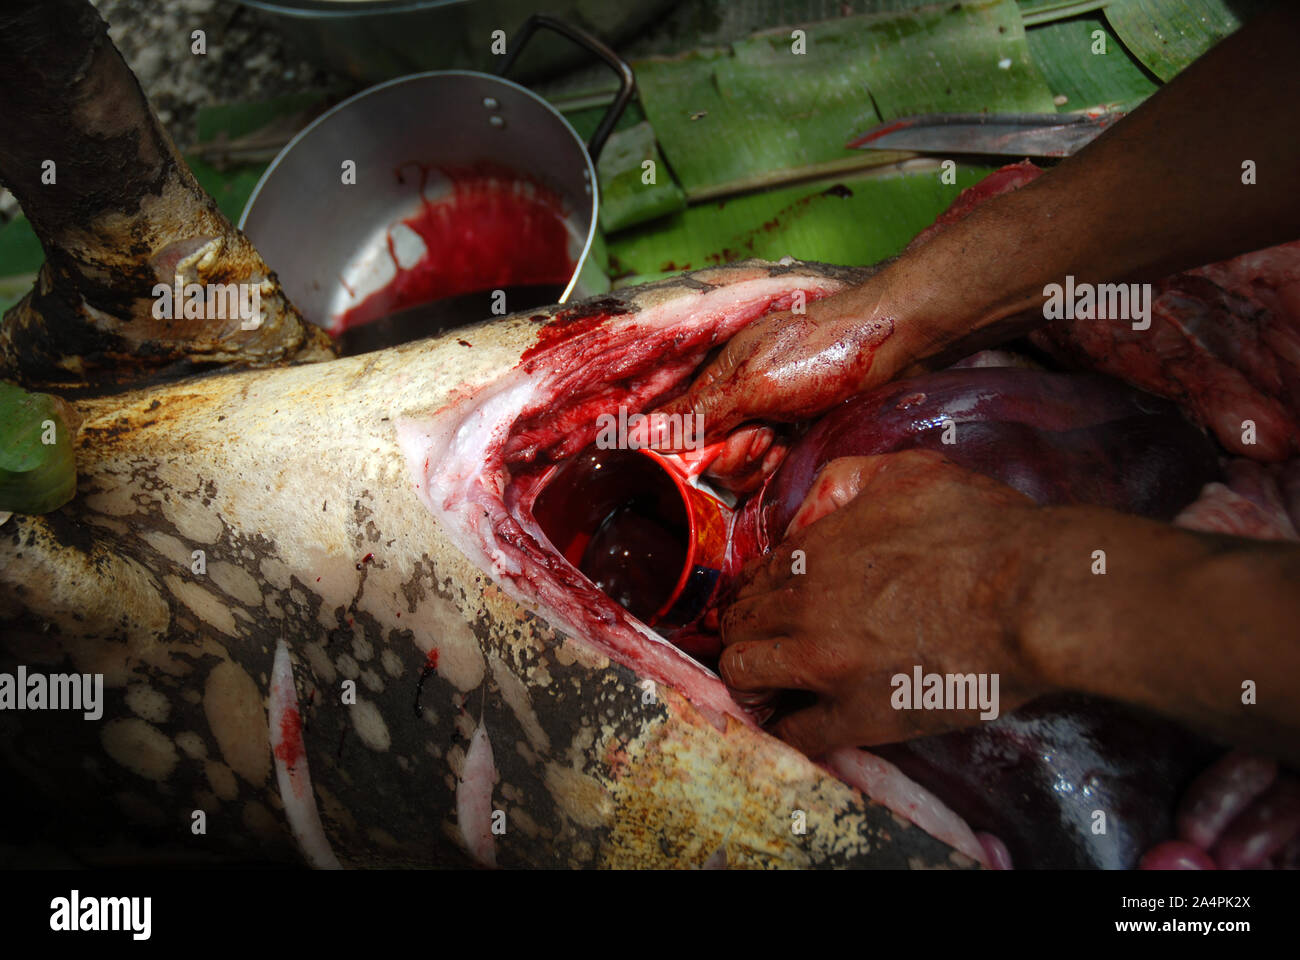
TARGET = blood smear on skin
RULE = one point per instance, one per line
(290, 748)
(495, 228)
(575, 322)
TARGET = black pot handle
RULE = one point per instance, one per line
(626, 79)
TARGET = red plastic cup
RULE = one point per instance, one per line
(581, 495)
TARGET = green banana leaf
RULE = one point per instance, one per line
(20, 251)
(1167, 35)
(585, 117)
(21, 255)
(858, 219)
(1065, 53)
(1045, 11)
(735, 116)
(626, 198)
(35, 476)
(230, 188)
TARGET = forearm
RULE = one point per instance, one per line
(1161, 191)
(1178, 623)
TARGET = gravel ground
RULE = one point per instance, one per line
(246, 60)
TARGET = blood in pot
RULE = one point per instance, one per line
(492, 228)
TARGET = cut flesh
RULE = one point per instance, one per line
(478, 462)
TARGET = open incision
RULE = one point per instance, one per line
(482, 462)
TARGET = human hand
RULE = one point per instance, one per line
(920, 565)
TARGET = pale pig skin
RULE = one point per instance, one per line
(292, 483)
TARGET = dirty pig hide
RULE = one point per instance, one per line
(946, 691)
(58, 691)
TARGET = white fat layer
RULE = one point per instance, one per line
(459, 472)
(474, 798)
(295, 783)
(887, 785)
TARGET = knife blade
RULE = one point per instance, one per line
(1001, 134)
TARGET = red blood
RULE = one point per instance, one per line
(635, 559)
(575, 322)
(653, 361)
(431, 659)
(620, 520)
(703, 642)
(290, 747)
(496, 229)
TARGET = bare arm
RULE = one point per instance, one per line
(1181, 622)
(930, 564)
(1160, 191)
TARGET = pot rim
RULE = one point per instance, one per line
(593, 223)
(324, 10)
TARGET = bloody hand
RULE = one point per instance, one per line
(920, 566)
(786, 367)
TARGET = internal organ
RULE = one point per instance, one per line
(1058, 438)
(1034, 778)
(1232, 364)
(1037, 778)
(1258, 500)
(1224, 341)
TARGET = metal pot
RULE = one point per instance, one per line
(334, 243)
(381, 39)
